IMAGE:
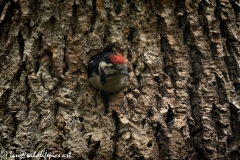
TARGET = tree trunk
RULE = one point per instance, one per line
(183, 95)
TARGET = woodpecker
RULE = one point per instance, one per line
(107, 72)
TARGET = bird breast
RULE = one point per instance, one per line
(115, 83)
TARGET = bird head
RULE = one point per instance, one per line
(113, 64)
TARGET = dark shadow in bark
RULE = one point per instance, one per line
(170, 115)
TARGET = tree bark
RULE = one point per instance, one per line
(183, 95)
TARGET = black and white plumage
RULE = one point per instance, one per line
(107, 72)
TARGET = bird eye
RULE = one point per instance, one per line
(111, 67)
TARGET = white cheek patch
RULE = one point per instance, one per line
(106, 68)
(105, 65)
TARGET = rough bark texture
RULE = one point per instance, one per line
(183, 96)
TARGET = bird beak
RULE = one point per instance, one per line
(124, 72)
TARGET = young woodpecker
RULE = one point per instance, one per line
(107, 72)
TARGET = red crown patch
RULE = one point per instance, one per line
(117, 58)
